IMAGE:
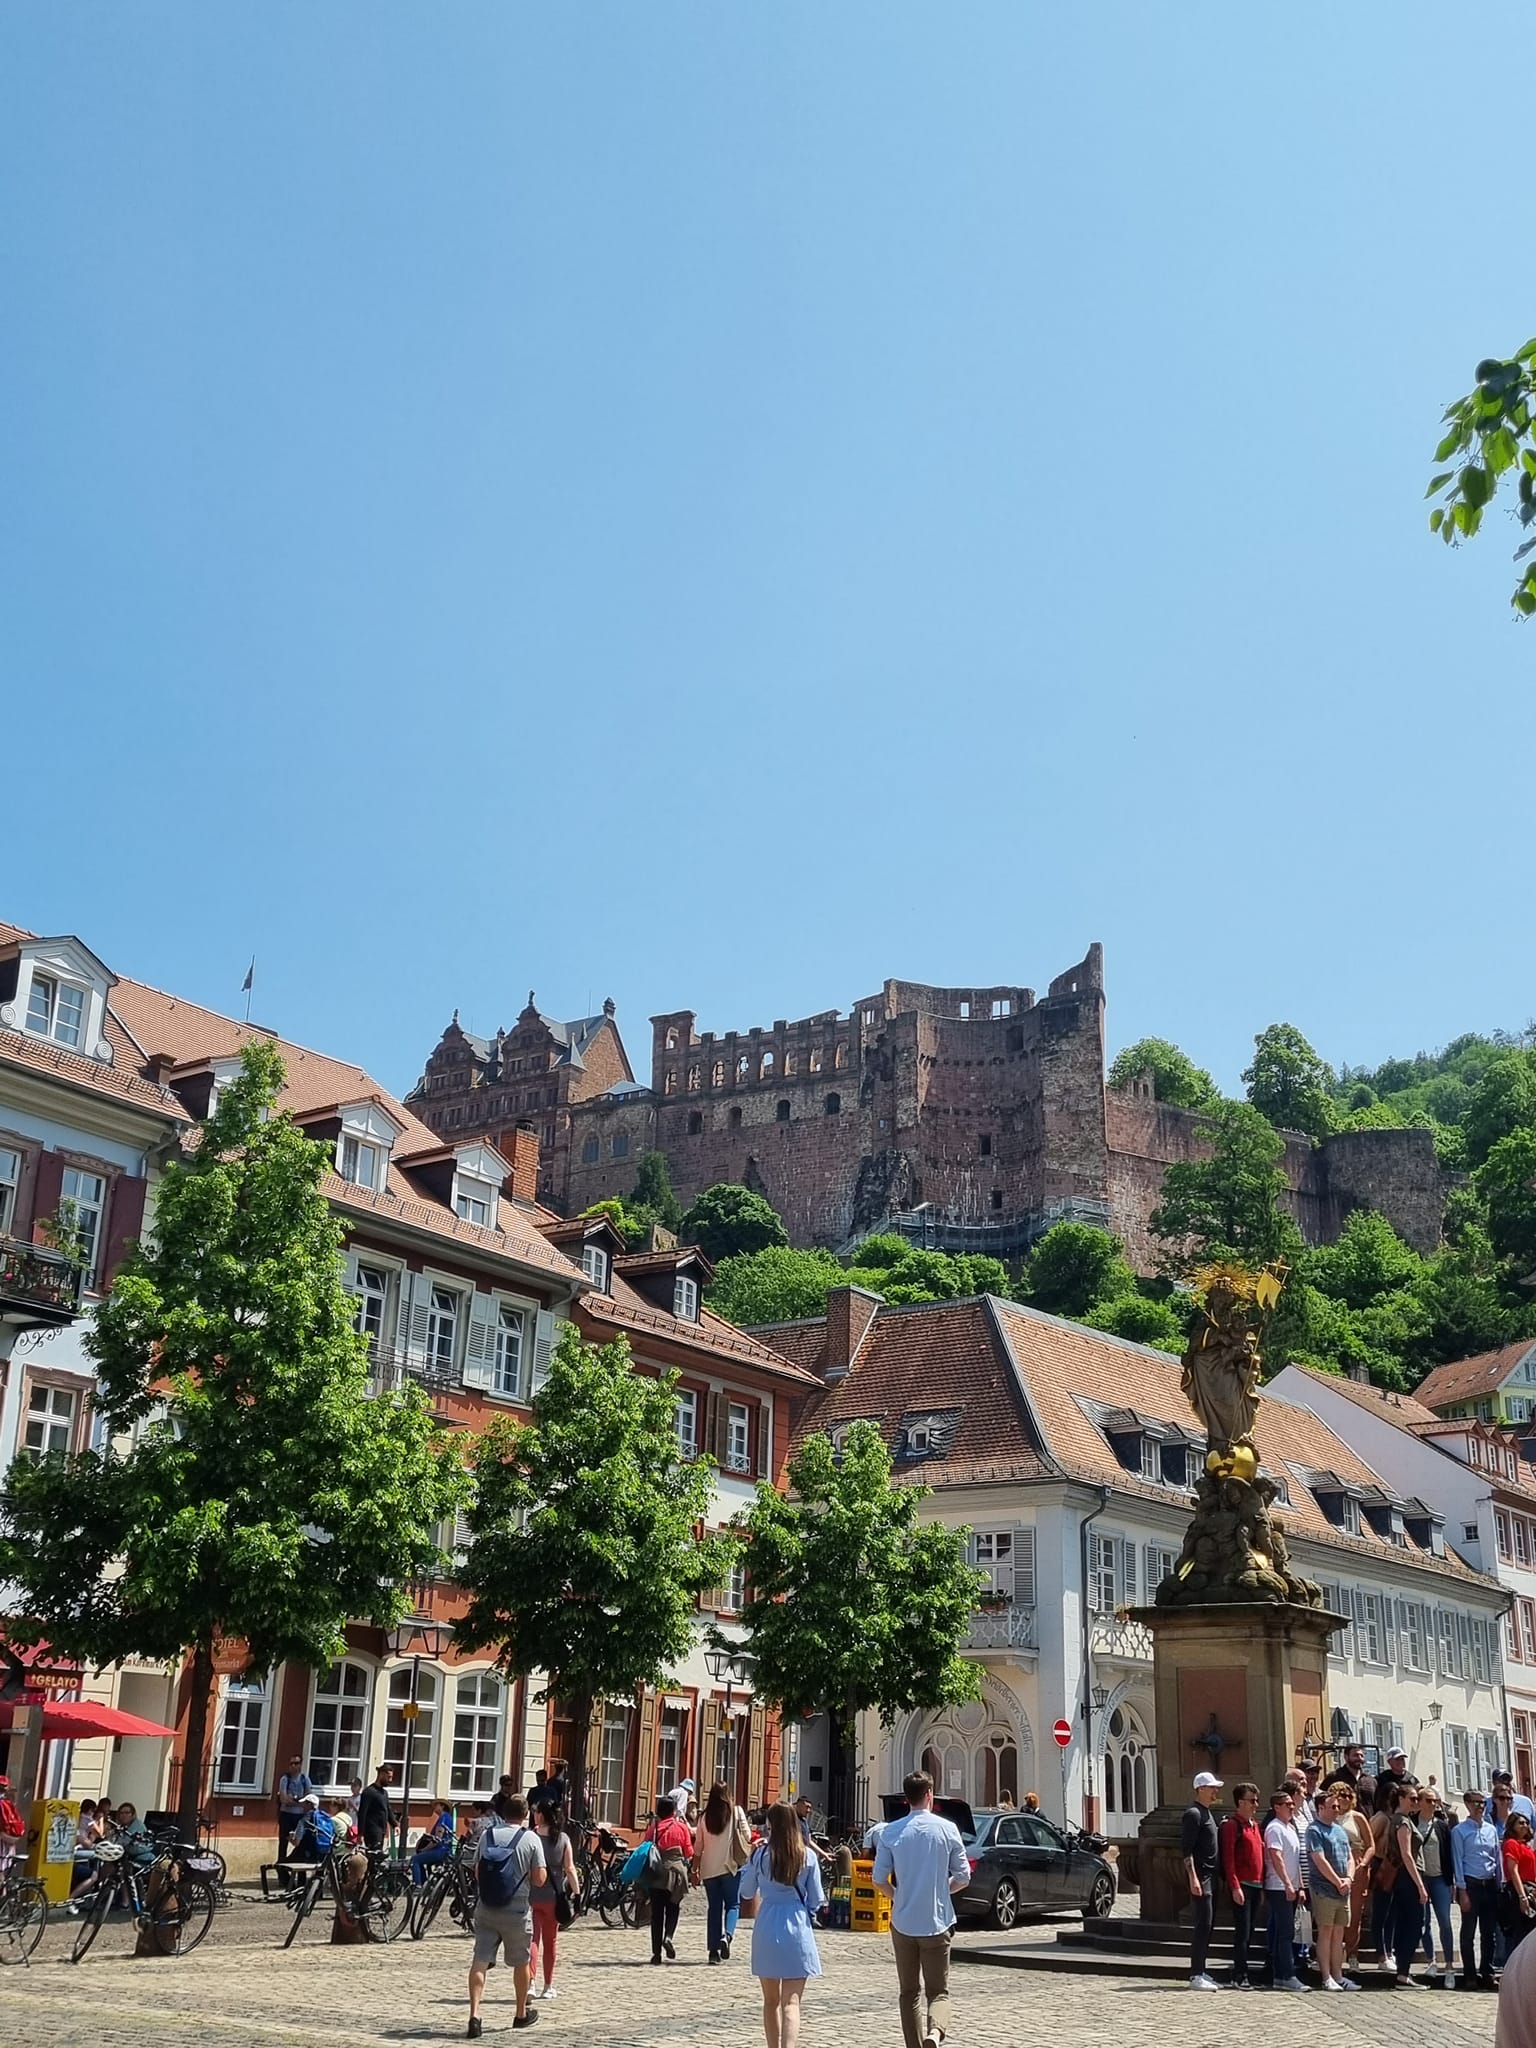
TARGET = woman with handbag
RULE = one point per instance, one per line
(673, 1843)
(784, 1875)
(550, 1895)
(1519, 1880)
(722, 1846)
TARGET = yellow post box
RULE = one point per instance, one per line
(51, 1852)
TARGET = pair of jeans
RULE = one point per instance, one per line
(722, 1893)
(1245, 1915)
(422, 1861)
(922, 1979)
(1203, 1919)
(1407, 1922)
(664, 1912)
(1438, 1914)
(1383, 1915)
(1280, 1937)
(1483, 1919)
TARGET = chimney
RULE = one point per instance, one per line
(850, 1311)
(520, 1148)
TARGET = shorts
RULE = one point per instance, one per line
(1328, 1911)
(498, 1928)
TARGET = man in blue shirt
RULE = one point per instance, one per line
(919, 1865)
(1478, 1872)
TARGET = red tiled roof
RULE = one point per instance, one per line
(622, 1308)
(660, 1262)
(1466, 1379)
(1404, 1409)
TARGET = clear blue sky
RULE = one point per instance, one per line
(716, 504)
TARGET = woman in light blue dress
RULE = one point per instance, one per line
(784, 1880)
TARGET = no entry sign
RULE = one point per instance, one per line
(1063, 1734)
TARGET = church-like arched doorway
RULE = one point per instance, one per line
(973, 1752)
(1130, 1771)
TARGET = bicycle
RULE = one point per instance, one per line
(166, 1901)
(454, 1881)
(604, 1886)
(382, 1906)
(23, 1916)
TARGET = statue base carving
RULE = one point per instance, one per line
(1234, 1548)
(1241, 1685)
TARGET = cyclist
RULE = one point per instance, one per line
(436, 1846)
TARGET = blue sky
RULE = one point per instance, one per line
(719, 504)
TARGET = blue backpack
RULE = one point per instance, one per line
(322, 1829)
(493, 1869)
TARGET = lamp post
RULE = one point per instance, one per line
(723, 1661)
(421, 1636)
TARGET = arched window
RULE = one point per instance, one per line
(743, 1068)
(972, 1752)
(1129, 1777)
(671, 1039)
(338, 1726)
(765, 1072)
(695, 1122)
(669, 1083)
(840, 1056)
(693, 1078)
(734, 1119)
(424, 1742)
(782, 1112)
(815, 1064)
(478, 1705)
(717, 1074)
(834, 1105)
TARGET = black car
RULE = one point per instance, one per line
(1021, 1864)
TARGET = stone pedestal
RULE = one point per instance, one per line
(1261, 1670)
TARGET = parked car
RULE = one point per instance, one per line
(1022, 1864)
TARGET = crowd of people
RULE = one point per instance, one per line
(1354, 1862)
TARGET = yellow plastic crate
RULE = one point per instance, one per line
(869, 1910)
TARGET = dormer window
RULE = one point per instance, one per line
(594, 1263)
(358, 1162)
(917, 1444)
(56, 1010)
(1341, 1509)
(472, 1202)
(685, 1298)
(363, 1147)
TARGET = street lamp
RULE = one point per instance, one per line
(419, 1636)
(722, 1661)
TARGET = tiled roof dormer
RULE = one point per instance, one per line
(56, 990)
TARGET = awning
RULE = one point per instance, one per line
(79, 1720)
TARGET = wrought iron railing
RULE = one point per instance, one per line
(1002, 1628)
(389, 1369)
(32, 1277)
(1116, 1637)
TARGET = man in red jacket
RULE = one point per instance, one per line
(1240, 1852)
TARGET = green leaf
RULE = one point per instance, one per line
(1528, 353)
(1499, 450)
(1435, 518)
(1436, 482)
(1451, 443)
(1525, 600)
(1528, 461)
(1476, 485)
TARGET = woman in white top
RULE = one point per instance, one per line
(721, 1846)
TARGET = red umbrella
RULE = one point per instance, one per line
(79, 1720)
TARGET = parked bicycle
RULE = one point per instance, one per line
(165, 1901)
(451, 1882)
(381, 1903)
(23, 1916)
(602, 1882)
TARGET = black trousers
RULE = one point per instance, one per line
(664, 1912)
(1203, 1919)
(1484, 1917)
(1244, 1918)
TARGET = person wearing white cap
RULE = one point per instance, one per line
(680, 1795)
(1198, 1845)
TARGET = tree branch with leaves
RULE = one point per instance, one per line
(1492, 428)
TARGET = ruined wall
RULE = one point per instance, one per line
(1393, 1172)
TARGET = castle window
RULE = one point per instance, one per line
(620, 1145)
(1016, 1038)
(791, 1064)
(589, 1151)
(997, 1198)
(965, 1009)
(869, 1016)
(671, 1042)
(717, 1074)
(743, 1068)
(815, 1059)
(693, 1079)
(985, 1144)
(1003, 1007)
(765, 1072)
(834, 1105)
(734, 1119)
(840, 1057)
(695, 1122)
(669, 1083)
(782, 1112)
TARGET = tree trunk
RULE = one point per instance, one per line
(200, 1688)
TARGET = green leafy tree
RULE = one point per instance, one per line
(1488, 435)
(1506, 1181)
(1504, 1101)
(1074, 1268)
(653, 1191)
(264, 1498)
(857, 1604)
(728, 1219)
(1175, 1077)
(1229, 1206)
(1289, 1083)
(633, 1225)
(1368, 1261)
(779, 1285)
(585, 1561)
(1140, 1317)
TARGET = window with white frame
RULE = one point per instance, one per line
(478, 1699)
(1413, 1635)
(594, 1263)
(1340, 1600)
(423, 1743)
(240, 1752)
(338, 1726)
(1482, 1654)
(50, 1423)
(1111, 1573)
(1501, 1533)
(994, 1558)
(82, 1202)
(507, 1359)
(1448, 1645)
(1522, 1529)
(10, 1181)
(1160, 1562)
(472, 1202)
(687, 1418)
(733, 1593)
(610, 1764)
(1370, 1633)
(443, 1326)
(1458, 1760)
(670, 1725)
(372, 1304)
(1487, 1750)
(685, 1298)
(738, 1438)
(358, 1162)
(56, 1010)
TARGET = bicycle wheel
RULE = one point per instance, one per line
(90, 1925)
(180, 1915)
(629, 1906)
(429, 1901)
(301, 1908)
(23, 1916)
(390, 1907)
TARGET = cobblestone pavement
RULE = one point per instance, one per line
(240, 1990)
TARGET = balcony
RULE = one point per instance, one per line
(39, 1289)
(1117, 1639)
(1002, 1628)
(389, 1369)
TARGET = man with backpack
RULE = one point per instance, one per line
(509, 1860)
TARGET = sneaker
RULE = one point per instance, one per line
(549, 1992)
(670, 1951)
(657, 1959)
(714, 1955)
(1332, 1984)
(1450, 1980)
(476, 2029)
(1293, 1984)
(725, 1956)
(1348, 1984)
(1409, 1984)
(1199, 1982)
(527, 2020)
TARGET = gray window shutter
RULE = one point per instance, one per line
(1389, 1628)
(480, 1345)
(1024, 1564)
(416, 1306)
(546, 1336)
(1128, 1572)
(349, 1271)
(764, 1439)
